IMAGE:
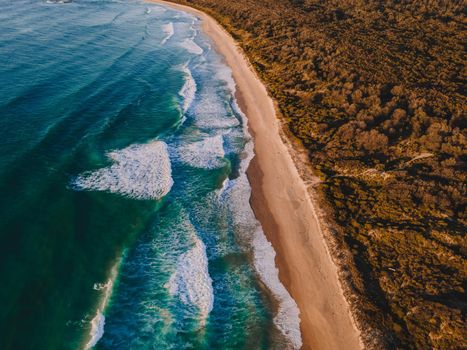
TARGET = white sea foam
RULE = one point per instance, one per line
(97, 329)
(190, 45)
(58, 1)
(101, 286)
(224, 73)
(287, 319)
(188, 90)
(237, 193)
(210, 111)
(98, 321)
(191, 281)
(168, 30)
(138, 171)
(224, 187)
(204, 154)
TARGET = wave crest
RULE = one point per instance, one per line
(139, 171)
(205, 154)
(169, 31)
(287, 319)
(191, 280)
(188, 91)
(98, 321)
(236, 194)
(210, 112)
(191, 47)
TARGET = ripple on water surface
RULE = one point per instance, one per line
(124, 121)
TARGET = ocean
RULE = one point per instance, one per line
(125, 220)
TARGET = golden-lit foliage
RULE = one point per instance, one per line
(375, 90)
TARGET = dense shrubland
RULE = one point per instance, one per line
(374, 90)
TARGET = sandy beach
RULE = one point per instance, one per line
(283, 206)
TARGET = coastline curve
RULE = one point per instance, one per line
(284, 207)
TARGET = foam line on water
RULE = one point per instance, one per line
(210, 111)
(98, 321)
(191, 281)
(58, 1)
(188, 91)
(169, 31)
(205, 154)
(224, 73)
(190, 45)
(141, 171)
(237, 193)
(97, 329)
(287, 319)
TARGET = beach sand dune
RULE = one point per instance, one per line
(283, 206)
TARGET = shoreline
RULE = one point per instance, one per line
(283, 206)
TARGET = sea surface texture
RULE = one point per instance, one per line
(124, 211)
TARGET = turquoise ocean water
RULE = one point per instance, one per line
(124, 210)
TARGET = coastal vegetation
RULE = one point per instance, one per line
(375, 92)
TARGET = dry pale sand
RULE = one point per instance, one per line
(284, 208)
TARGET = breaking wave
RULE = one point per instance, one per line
(188, 90)
(58, 1)
(205, 154)
(224, 73)
(236, 193)
(97, 329)
(138, 171)
(191, 281)
(191, 46)
(210, 112)
(168, 30)
(287, 319)
(98, 321)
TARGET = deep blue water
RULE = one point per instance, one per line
(124, 210)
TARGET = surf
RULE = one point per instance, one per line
(138, 171)
(207, 153)
(98, 321)
(188, 91)
(236, 193)
(191, 281)
(168, 30)
(108, 174)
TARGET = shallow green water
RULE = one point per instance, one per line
(124, 214)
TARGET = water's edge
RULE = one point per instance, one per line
(287, 318)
